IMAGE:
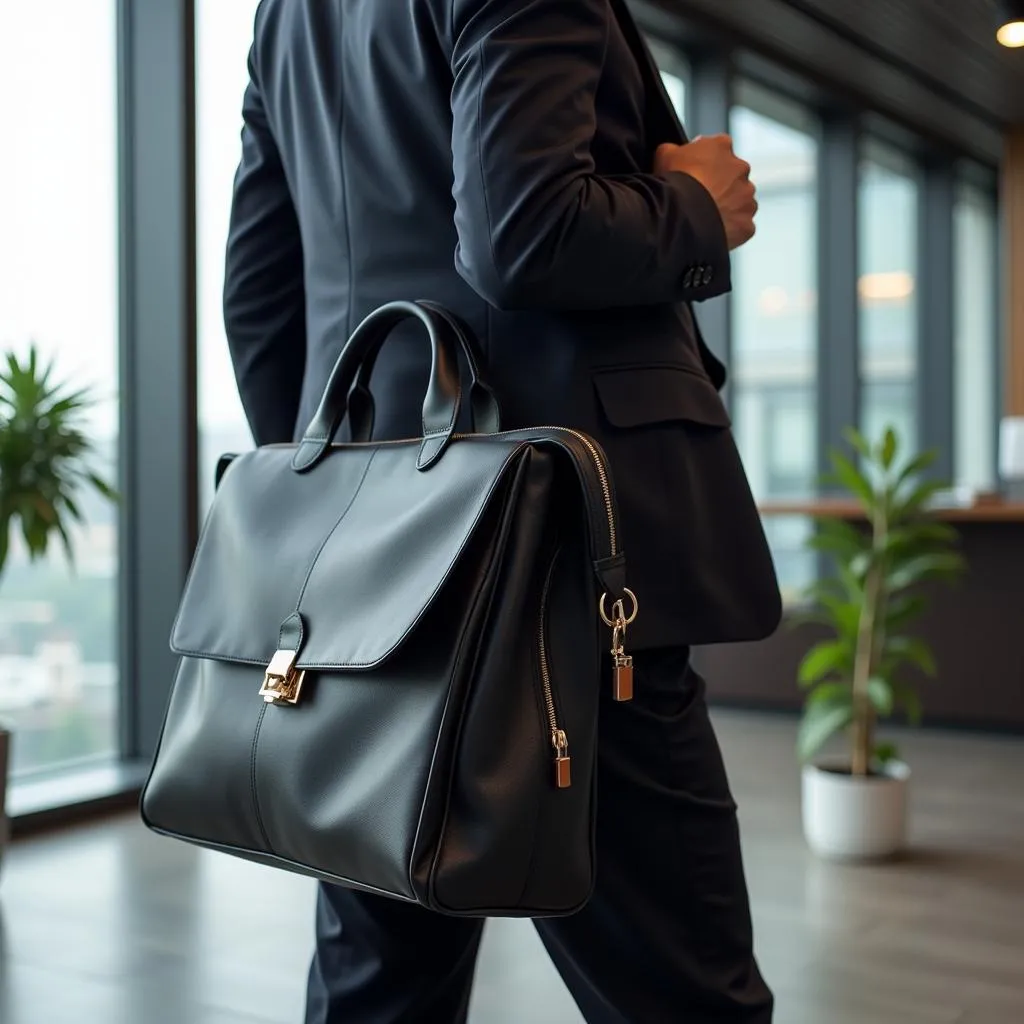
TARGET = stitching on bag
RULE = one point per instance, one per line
(188, 652)
(547, 580)
(449, 781)
(252, 780)
(327, 666)
(457, 667)
(348, 508)
(302, 631)
(287, 862)
(451, 419)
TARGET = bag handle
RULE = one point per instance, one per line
(484, 406)
(444, 391)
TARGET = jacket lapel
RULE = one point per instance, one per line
(661, 116)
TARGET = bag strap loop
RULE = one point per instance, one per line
(486, 414)
(444, 391)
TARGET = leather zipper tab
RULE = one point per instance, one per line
(563, 763)
(623, 673)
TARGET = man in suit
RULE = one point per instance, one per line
(518, 161)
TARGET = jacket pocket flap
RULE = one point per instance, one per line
(635, 396)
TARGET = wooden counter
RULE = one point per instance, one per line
(982, 512)
(974, 626)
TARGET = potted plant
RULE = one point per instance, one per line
(46, 462)
(855, 806)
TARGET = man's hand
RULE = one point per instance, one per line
(711, 160)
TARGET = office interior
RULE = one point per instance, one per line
(884, 289)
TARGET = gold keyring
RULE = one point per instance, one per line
(627, 622)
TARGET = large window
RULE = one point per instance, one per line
(774, 317)
(975, 348)
(887, 292)
(224, 33)
(674, 73)
(58, 290)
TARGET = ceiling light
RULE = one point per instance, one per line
(888, 286)
(1010, 31)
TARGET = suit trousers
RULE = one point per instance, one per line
(666, 937)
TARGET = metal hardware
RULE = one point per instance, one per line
(563, 764)
(282, 683)
(618, 609)
(606, 487)
(623, 678)
(622, 665)
(559, 740)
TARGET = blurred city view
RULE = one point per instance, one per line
(59, 678)
(58, 646)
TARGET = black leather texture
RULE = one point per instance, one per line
(444, 611)
(498, 158)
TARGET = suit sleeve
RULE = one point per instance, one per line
(538, 227)
(264, 296)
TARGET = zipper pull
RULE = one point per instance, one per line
(563, 766)
(623, 677)
(622, 665)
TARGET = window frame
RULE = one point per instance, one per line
(157, 451)
(793, 114)
(720, 72)
(984, 183)
(901, 162)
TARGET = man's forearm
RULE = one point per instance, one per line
(538, 225)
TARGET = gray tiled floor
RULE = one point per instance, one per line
(110, 925)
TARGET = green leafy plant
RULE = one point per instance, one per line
(856, 675)
(45, 456)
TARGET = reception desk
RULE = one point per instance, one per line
(975, 628)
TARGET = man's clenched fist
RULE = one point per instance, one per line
(711, 160)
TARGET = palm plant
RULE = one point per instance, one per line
(46, 459)
(856, 675)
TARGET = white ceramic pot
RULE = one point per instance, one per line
(851, 818)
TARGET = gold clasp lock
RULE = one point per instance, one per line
(282, 684)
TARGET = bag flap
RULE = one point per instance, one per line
(359, 546)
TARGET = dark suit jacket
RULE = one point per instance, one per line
(495, 156)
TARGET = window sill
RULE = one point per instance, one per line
(36, 804)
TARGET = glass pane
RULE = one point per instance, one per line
(676, 89)
(774, 305)
(674, 73)
(976, 354)
(59, 290)
(223, 36)
(887, 288)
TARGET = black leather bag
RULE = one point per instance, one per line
(390, 651)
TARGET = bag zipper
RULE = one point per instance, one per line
(595, 457)
(623, 664)
(524, 433)
(602, 475)
(559, 740)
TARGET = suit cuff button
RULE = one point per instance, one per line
(688, 278)
(709, 275)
